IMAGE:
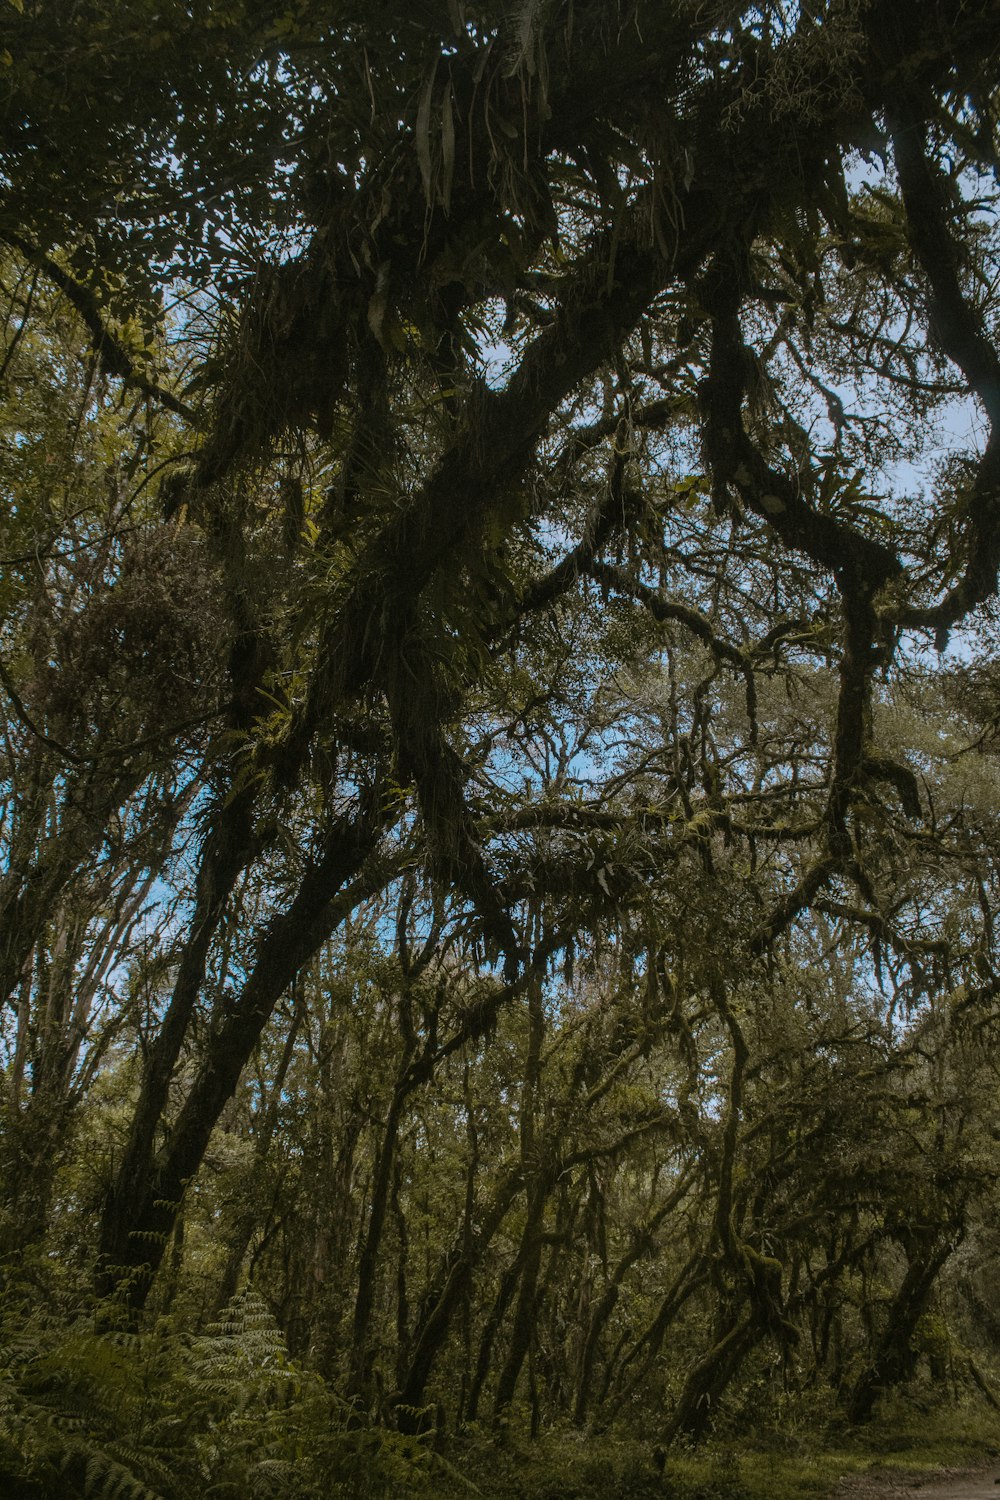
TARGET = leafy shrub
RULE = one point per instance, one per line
(116, 1416)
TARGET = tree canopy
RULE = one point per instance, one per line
(497, 649)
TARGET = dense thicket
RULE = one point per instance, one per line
(499, 778)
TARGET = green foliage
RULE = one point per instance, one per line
(159, 1416)
(915, 1445)
(489, 859)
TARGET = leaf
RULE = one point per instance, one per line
(447, 146)
(19, 7)
(422, 131)
(5, 57)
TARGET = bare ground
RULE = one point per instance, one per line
(946, 1484)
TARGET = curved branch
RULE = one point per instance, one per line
(959, 331)
(667, 609)
(109, 349)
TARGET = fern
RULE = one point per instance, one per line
(88, 1415)
(67, 1418)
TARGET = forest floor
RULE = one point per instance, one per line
(965, 1484)
(951, 1454)
(949, 1451)
(822, 1478)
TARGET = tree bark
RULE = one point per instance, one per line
(139, 1218)
(894, 1359)
(523, 1330)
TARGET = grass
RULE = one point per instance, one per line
(791, 1464)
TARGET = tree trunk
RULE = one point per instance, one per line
(226, 851)
(523, 1330)
(642, 1244)
(708, 1380)
(247, 1222)
(141, 1212)
(508, 1285)
(448, 1288)
(895, 1357)
(359, 1371)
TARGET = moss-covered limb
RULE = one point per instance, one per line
(226, 850)
(780, 499)
(474, 482)
(539, 1183)
(862, 567)
(665, 609)
(708, 1379)
(107, 345)
(895, 1357)
(958, 327)
(137, 1229)
(692, 1278)
(725, 1226)
(983, 1385)
(605, 519)
(420, 701)
(642, 1243)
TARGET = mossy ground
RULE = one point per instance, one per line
(908, 1440)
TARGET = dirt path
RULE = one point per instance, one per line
(978, 1484)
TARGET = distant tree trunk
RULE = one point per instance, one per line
(333, 1202)
(264, 1135)
(692, 1275)
(708, 1380)
(36, 877)
(468, 1392)
(30, 1144)
(505, 1292)
(750, 1292)
(402, 1295)
(359, 1372)
(61, 983)
(35, 1120)
(145, 1201)
(129, 1209)
(170, 1281)
(448, 1288)
(642, 1244)
(895, 1358)
(523, 1330)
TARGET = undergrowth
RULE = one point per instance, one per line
(92, 1414)
(793, 1462)
(160, 1416)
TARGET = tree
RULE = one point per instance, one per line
(518, 404)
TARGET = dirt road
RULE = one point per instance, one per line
(974, 1487)
(983, 1484)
